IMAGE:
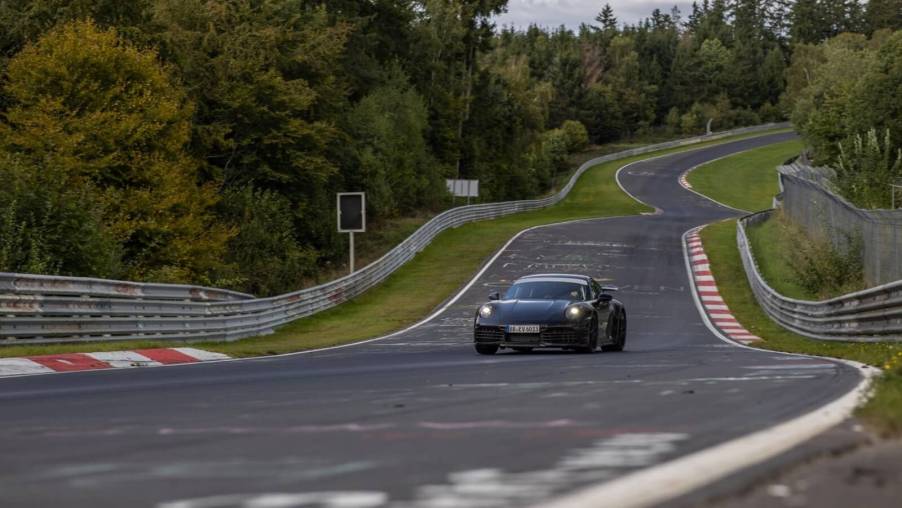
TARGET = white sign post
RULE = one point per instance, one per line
(463, 188)
(351, 211)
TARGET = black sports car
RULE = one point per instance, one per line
(551, 310)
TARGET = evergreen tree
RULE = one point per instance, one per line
(606, 19)
(807, 22)
(884, 14)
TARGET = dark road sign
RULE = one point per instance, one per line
(351, 212)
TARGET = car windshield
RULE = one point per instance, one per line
(546, 290)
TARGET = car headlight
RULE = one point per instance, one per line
(486, 311)
(574, 312)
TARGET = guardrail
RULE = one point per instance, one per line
(45, 309)
(871, 315)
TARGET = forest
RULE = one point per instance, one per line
(203, 141)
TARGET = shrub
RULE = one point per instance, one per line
(576, 134)
(268, 257)
(50, 227)
(673, 120)
(555, 144)
(866, 168)
(819, 267)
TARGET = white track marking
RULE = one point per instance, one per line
(21, 367)
(350, 499)
(124, 359)
(200, 354)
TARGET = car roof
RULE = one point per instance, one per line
(556, 275)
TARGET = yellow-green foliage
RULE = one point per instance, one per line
(108, 117)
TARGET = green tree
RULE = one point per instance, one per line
(881, 14)
(820, 108)
(388, 129)
(876, 100)
(714, 59)
(109, 117)
(606, 20)
(266, 80)
(807, 22)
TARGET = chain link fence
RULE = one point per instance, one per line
(809, 200)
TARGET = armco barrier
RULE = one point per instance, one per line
(43, 309)
(870, 315)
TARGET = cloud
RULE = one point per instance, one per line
(553, 13)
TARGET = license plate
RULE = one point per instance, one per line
(523, 329)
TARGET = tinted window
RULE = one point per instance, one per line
(546, 291)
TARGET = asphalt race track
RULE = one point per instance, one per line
(419, 419)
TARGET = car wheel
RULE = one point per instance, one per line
(618, 332)
(593, 341)
(522, 349)
(486, 349)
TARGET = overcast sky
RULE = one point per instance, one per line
(552, 13)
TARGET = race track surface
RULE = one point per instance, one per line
(420, 419)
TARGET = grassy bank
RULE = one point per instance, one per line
(420, 285)
(773, 246)
(747, 181)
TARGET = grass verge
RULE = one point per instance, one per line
(747, 181)
(422, 284)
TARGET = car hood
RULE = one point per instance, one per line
(530, 311)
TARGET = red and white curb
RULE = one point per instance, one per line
(684, 180)
(706, 286)
(70, 362)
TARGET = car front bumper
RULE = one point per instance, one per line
(548, 336)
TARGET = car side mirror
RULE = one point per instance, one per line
(495, 296)
(604, 299)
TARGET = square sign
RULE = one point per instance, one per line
(351, 212)
(463, 188)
